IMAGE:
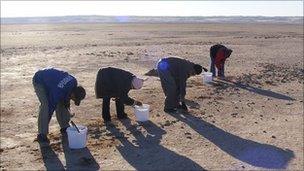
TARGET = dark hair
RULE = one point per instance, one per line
(79, 93)
(198, 69)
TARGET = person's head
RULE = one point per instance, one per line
(228, 52)
(78, 94)
(137, 83)
(197, 69)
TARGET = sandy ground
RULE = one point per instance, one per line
(251, 121)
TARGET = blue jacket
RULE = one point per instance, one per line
(58, 85)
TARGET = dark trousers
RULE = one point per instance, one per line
(120, 108)
(220, 71)
(170, 89)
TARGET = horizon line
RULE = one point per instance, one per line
(149, 16)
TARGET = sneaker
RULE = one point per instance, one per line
(170, 110)
(41, 138)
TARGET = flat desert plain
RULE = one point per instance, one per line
(253, 120)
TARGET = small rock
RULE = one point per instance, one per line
(273, 136)
(182, 127)
(264, 131)
(187, 133)
(261, 115)
(130, 53)
(289, 103)
(189, 137)
(243, 167)
(256, 122)
(286, 120)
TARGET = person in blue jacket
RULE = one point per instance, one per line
(54, 89)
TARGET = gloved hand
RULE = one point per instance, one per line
(205, 69)
(138, 103)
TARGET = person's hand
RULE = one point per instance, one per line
(205, 69)
(138, 103)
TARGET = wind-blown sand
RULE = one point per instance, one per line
(254, 120)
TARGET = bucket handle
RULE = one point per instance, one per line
(75, 126)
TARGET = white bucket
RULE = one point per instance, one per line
(207, 77)
(77, 140)
(142, 112)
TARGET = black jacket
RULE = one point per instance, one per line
(114, 82)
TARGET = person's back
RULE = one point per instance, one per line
(113, 82)
(178, 67)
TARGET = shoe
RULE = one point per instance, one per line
(41, 138)
(170, 110)
(63, 130)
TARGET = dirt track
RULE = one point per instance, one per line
(252, 121)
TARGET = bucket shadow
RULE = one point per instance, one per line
(50, 158)
(78, 159)
(253, 89)
(248, 151)
(147, 153)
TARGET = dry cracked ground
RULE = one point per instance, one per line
(253, 120)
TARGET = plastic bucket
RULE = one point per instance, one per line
(142, 112)
(207, 77)
(77, 140)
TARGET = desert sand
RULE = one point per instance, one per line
(251, 121)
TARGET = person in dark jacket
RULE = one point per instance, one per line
(54, 89)
(218, 54)
(173, 73)
(116, 83)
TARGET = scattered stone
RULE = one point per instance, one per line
(182, 127)
(213, 121)
(130, 53)
(167, 123)
(261, 115)
(273, 137)
(189, 137)
(273, 118)
(289, 103)
(256, 122)
(234, 114)
(243, 167)
(286, 120)
(264, 131)
(157, 115)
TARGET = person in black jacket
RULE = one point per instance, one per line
(116, 83)
(173, 73)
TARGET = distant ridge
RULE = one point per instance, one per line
(150, 19)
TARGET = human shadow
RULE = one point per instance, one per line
(251, 152)
(50, 158)
(147, 153)
(268, 93)
(78, 159)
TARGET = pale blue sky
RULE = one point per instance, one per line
(151, 8)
